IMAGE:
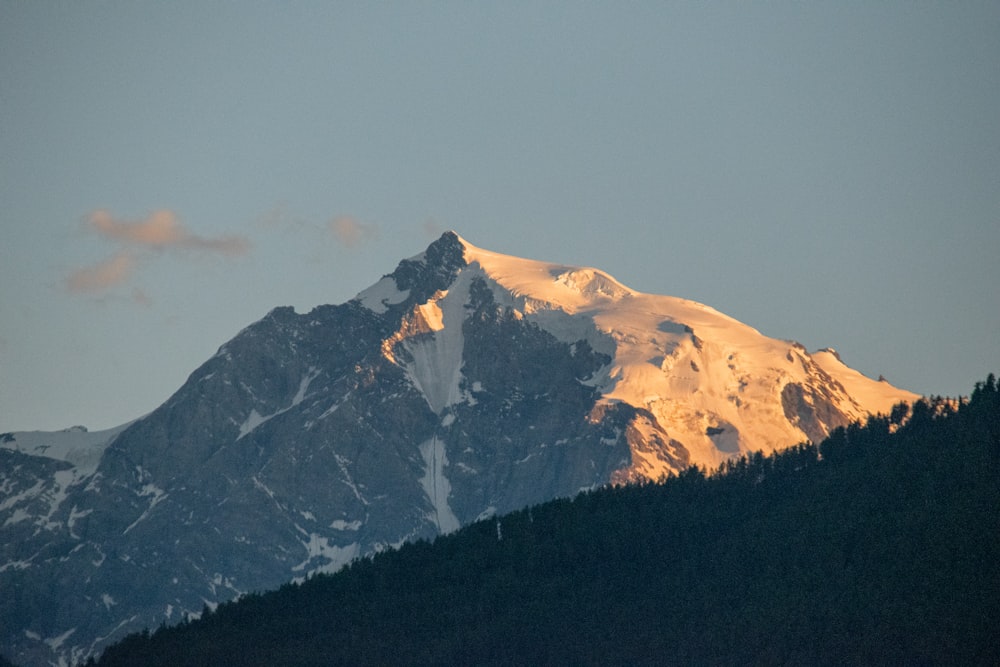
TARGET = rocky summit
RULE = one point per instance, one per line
(464, 384)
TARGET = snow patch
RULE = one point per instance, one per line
(336, 404)
(318, 546)
(18, 516)
(487, 513)
(436, 485)
(115, 629)
(261, 486)
(55, 642)
(343, 463)
(62, 479)
(27, 494)
(75, 445)
(219, 580)
(255, 419)
(304, 383)
(17, 564)
(156, 495)
(73, 516)
(381, 295)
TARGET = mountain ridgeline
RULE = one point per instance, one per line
(881, 545)
(463, 385)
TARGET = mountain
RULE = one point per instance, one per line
(462, 385)
(878, 547)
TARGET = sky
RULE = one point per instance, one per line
(170, 172)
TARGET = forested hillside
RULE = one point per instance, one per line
(881, 545)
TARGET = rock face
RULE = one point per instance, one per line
(464, 384)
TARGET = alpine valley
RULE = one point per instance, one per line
(464, 384)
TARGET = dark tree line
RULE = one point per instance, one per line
(879, 545)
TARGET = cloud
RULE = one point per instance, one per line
(162, 230)
(103, 275)
(350, 231)
(139, 242)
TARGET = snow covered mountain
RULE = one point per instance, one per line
(463, 384)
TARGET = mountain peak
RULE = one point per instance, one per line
(446, 247)
(416, 279)
(466, 383)
(700, 374)
(544, 284)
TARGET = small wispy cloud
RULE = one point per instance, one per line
(101, 276)
(162, 230)
(351, 232)
(139, 242)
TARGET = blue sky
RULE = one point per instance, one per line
(169, 172)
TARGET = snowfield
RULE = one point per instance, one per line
(713, 383)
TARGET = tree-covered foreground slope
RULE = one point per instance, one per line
(879, 546)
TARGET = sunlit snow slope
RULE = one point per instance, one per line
(712, 384)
